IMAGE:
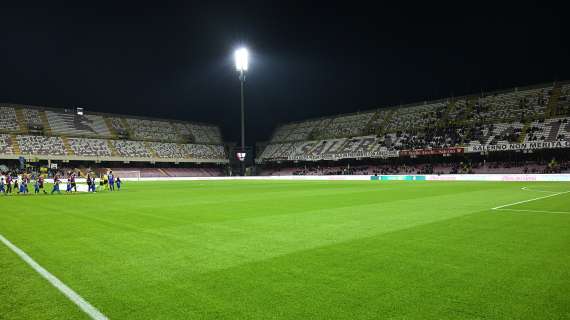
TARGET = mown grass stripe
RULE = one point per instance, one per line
(85, 306)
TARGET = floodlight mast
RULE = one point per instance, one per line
(241, 59)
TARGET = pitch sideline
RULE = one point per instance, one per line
(85, 306)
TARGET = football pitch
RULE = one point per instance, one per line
(292, 250)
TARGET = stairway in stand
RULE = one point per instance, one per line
(552, 106)
(68, 149)
(151, 150)
(114, 152)
(384, 126)
(15, 145)
(112, 130)
(45, 122)
(368, 129)
(21, 120)
(126, 125)
(163, 172)
(524, 131)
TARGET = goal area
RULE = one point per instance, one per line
(133, 175)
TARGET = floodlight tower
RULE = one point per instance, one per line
(241, 58)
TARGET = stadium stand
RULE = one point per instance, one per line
(89, 147)
(131, 149)
(153, 130)
(72, 124)
(8, 121)
(119, 126)
(539, 113)
(40, 145)
(6, 144)
(205, 134)
(32, 118)
(68, 134)
(166, 150)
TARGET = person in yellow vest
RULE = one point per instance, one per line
(105, 182)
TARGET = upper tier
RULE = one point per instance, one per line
(22, 119)
(532, 114)
(518, 104)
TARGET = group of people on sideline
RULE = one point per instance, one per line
(19, 184)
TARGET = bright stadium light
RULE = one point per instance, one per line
(241, 56)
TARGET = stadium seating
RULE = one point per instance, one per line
(550, 130)
(416, 116)
(166, 150)
(89, 147)
(41, 145)
(72, 124)
(512, 116)
(344, 126)
(64, 132)
(32, 118)
(130, 149)
(119, 126)
(153, 130)
(8, 120)
(205, 133)
(199, 151)
(6, 144)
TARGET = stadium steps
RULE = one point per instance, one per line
(552, 107)
(471, 101)
(383, 127)
(45, 123)
(164, 172)
(114, 152)
(524, 131)
(126, 125)
(21, 119)
(112, 130)
(283, 147)
(317, 131)
(450, 108)
(68, 149)
(151, 150)
(368, 129)
(15, 145)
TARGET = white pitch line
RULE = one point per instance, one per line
(529, 200)
(534, 190)
(90, 310)
(541, 211)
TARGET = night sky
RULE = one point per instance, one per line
(174, 59)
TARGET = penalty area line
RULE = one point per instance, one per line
(539, 211)
(545, 191)
(529, 200)
(85, 306)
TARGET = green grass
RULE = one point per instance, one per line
(292, 250)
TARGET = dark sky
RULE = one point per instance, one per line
(174, 59)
